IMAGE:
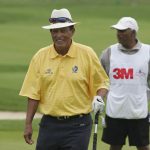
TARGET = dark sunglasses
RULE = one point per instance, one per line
(61, 19)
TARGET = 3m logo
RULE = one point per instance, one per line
(123, 73)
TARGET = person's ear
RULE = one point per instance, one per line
(73, 30)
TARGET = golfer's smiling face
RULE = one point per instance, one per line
(62, 37)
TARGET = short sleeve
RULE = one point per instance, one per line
(98, 78)
(31, 84)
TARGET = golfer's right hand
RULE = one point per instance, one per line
(28, 134)
(98, 104)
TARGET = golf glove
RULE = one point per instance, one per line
(98, 104)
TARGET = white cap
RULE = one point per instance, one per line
(125, 23)
(60, 13)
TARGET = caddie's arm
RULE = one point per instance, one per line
(31, 110)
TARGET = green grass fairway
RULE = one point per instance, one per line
(21, 36)
(11, 137)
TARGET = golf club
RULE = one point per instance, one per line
(149, 118)
(95, 131)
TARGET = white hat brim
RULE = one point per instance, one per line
(59, 25)
(119, 27)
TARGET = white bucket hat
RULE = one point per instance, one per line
(125, 23)
(59, 19)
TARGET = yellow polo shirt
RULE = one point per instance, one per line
(64, 85)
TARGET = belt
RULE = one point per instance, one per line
(67, 117)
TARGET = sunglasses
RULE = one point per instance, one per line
(61, 19)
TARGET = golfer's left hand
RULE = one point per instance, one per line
(28, 134)
(98, 104)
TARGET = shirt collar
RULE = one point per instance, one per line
(135, 48)
(71, 52)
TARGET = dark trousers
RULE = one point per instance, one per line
(117, 130)
(68, 134)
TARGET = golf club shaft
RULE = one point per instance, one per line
(95, 132)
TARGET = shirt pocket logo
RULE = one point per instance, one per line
(75, 69)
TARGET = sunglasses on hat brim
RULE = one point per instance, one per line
(60, 19)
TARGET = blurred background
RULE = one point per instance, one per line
(21, 36)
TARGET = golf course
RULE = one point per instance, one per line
(21, 36)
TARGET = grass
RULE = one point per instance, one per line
(21, 36)
(11, 135)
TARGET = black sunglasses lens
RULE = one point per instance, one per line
(61, 19)
(52, 20)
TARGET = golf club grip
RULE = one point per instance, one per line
(94, 141)
(149, 118)
(96, 118)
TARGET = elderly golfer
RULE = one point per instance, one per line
(128, 65)
(62, 80)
